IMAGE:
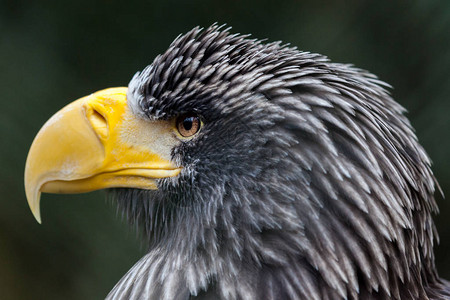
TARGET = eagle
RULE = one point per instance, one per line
(255, 171)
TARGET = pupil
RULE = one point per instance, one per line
(187, 123)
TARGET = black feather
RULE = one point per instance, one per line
(306, 181)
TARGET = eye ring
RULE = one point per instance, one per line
(188, 124)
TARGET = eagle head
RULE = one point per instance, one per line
(256, 171)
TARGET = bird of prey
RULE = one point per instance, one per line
(256, 171)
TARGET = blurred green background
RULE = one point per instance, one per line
(53, 52)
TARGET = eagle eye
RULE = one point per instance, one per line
(188, 124)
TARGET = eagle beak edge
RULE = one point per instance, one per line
(95, 143)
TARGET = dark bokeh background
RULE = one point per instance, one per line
(53, 52)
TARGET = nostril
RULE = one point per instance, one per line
(98, 122)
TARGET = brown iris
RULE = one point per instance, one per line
(188, 124)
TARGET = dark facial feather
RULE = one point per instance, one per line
(305, 181)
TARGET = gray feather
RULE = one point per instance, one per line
(305, 182)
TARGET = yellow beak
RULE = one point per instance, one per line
(94, 143)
